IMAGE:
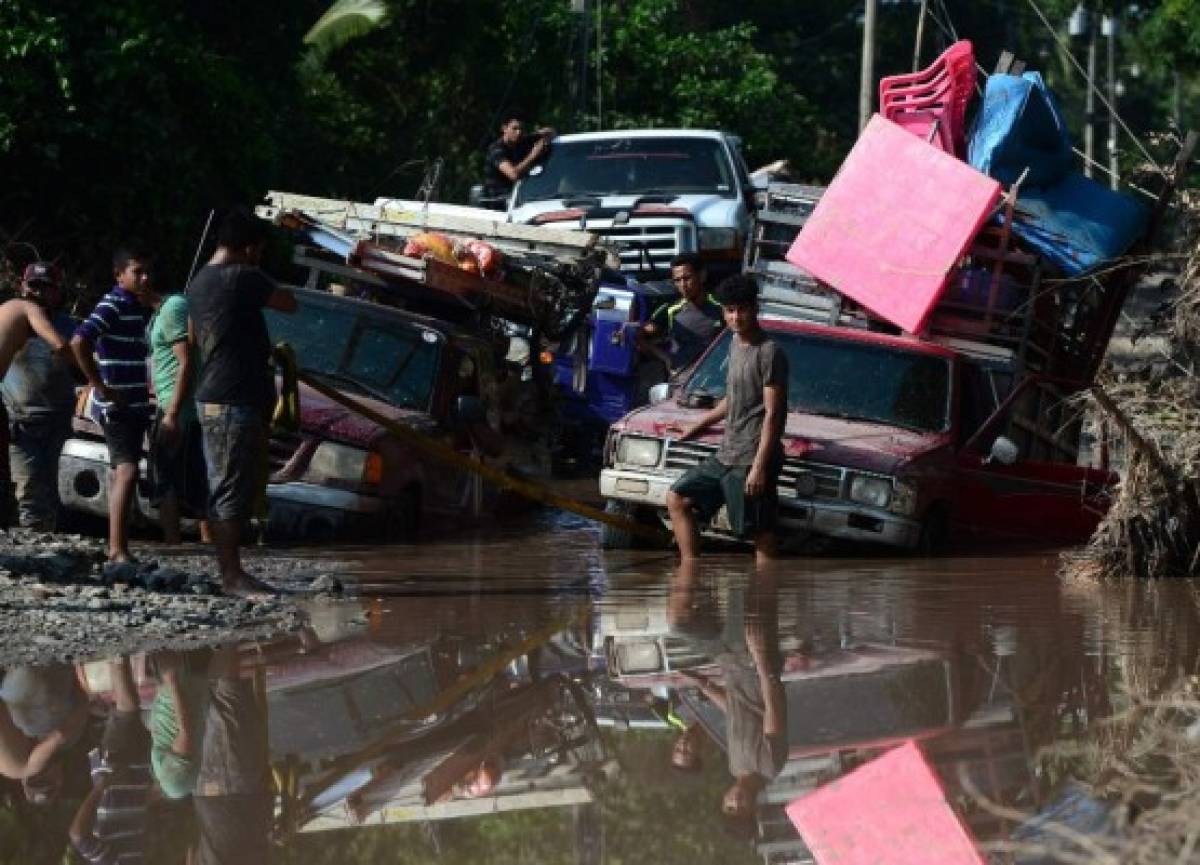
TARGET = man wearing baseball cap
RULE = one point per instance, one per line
(39, 395)
(21, 318)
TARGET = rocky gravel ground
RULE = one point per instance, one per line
(57, 603)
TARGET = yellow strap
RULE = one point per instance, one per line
(444, 453)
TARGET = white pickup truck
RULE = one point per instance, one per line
(652, 192)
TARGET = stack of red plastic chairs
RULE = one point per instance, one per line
(934, 98)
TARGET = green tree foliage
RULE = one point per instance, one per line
(134, 117)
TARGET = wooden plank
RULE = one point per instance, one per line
(390, 814)
(353, 214)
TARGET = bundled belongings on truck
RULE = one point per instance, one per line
(458, 263)
(925, 242)
(986, 240)
(1073, 221)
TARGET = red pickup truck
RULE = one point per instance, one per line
(889, 440)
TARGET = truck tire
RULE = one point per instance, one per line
(935, 531)
(402, 517)
(611, 537)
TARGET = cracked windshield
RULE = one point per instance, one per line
(599, 432)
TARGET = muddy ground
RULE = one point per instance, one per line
(57, 603)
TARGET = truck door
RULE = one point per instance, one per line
(1044, 496)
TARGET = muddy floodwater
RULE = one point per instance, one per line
(524, 696)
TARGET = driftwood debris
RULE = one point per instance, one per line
(1153, 526)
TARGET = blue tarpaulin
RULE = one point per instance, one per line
(1074, 222)
(1078, 223)
(1019, 126)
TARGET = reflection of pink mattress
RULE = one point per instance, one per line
(891, 811)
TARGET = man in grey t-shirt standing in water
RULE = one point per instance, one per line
(744, 474)
(235, 393)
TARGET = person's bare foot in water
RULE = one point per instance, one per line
(245, 586)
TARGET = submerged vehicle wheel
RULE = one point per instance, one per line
(935, 531)
(613, 538)
(402, 518)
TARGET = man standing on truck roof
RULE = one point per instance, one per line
(235, 393)
(116, 331)
(39, 396)
(510, 156)
(744, 474)
(690, 323)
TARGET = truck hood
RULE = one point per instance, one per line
(859, 445)
(708, 210)
(323, 418)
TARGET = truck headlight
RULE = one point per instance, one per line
(637, 451)
(876, 492)
(904, 499)
(347, 464)
(718, 238)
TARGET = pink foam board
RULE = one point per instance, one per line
(891, 811)
(894, 223)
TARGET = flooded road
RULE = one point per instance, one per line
(524, 696)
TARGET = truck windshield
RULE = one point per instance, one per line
(631, 166)
(360, 349)
(846, 379)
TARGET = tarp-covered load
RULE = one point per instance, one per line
(1020, 134)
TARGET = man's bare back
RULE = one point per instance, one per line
(20, 319)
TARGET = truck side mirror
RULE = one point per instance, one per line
(1004, 451)
(660, 393)
(469, 409)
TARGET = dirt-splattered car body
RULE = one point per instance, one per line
(340, 473)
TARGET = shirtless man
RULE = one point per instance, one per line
(19, 320)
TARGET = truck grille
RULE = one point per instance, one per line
(831, 480)
(660, 241)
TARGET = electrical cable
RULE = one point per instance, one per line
(1066, 48)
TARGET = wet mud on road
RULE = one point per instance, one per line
(521, 695)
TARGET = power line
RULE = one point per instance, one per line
(1066, 48)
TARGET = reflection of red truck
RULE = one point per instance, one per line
(889, 439)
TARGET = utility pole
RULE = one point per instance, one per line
(920, 36)
(582, 62)
(867, 84)
(1089, 128)
(1110, 30)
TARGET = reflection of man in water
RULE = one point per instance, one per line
(750, 694)
(233, 801)
(110, 825)
(42, 713)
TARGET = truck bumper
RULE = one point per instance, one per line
(295, 510)
(841, 520)
(313, 512)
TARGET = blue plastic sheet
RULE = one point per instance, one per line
(1078, 224)
(1074, 222)
(1019, 126)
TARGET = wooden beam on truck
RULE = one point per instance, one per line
(398, 219)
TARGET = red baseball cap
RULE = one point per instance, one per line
(42, 273)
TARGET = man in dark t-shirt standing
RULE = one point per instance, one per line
(744, 474)
(510, 156)
(690, 323)
(235, 393)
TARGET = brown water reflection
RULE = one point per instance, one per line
(523, 696)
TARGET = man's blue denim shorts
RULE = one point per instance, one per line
(235, 440)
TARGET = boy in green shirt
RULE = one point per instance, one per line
(177, 470)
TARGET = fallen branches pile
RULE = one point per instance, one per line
(1153, 416)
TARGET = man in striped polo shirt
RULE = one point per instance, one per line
(116, 332)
